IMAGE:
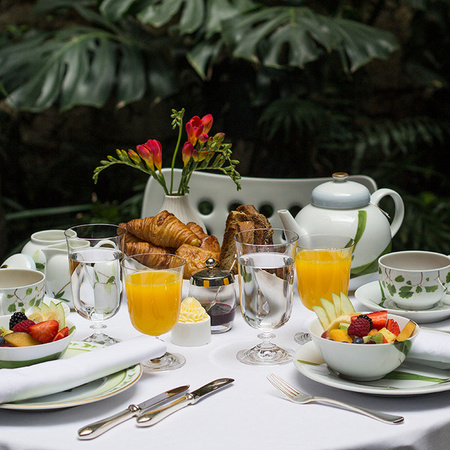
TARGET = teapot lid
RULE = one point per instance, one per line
(340, 193)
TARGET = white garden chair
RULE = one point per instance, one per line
(215, 195)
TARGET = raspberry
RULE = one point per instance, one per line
(16, 318)
(367, 318)
(359, 327)
(23, 326)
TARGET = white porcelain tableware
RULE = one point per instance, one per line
(40, 240)
(345, 207)
(13, 357)
(20, 289)
(409, 379)
(362, 362)
(372, 296)
(414, 279)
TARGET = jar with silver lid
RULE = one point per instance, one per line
(215, 290)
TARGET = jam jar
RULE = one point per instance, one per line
(215, 290)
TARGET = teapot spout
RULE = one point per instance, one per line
(288, 221)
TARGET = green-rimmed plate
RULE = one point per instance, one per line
(94, 391)
(408, 380)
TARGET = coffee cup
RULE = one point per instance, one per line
(20, 290)
(415, 280)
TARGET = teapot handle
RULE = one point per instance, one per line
(399, 207)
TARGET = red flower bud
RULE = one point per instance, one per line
(207, 122)
(189, 152)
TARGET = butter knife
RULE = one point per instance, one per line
(96, 429)
(152, 417)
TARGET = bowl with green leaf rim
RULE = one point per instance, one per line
(14, 357)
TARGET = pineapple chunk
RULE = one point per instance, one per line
(390, 337)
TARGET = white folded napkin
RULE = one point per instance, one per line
(431, 346)
(62, 374)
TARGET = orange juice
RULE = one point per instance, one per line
(320, 273)
(154, 299)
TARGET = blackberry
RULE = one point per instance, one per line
(364, 316)
(16, 318)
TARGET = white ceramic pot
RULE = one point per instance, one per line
(39, 241)
(346, 208)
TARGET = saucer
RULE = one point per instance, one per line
(371, 295)
(409, 379)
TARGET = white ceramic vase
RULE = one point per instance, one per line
(180, 206)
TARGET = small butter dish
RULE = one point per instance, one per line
(192, 334)
(194, 325)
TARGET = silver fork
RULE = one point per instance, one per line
(300, 397)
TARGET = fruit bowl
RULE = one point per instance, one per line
(362, 362)
(13, 357)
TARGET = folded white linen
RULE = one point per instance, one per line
(431, 346)
(62, 374)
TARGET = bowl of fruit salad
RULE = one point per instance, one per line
(41, 336)
(362, 346)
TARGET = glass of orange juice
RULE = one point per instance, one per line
(322, 264)
(153, 283)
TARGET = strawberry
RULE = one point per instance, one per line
(44, 331)
(393, 327)
(62, 333)
(23, 326)
(379, 319)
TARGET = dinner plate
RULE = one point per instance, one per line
(424, 380)
(372, 296)
(94, 391)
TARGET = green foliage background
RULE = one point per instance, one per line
(301, 89)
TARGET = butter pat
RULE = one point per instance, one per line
(194, 325)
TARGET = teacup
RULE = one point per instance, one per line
(415, 280)
(20, 290)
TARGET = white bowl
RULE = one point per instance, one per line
(362, 362)
(13, 357)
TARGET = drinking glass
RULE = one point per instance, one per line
(95, 251)
(154, 283)
(323, 268)
(266, 283)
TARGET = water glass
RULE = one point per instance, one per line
(95, 252)
(266, 285)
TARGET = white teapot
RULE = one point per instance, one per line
(346, 208)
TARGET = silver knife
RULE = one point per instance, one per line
(95, 429)
(152, 417)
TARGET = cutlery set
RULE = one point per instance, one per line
(155, 409)
(152, 410)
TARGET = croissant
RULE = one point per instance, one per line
(148, 254)
(195, 258)
(209, 242)
(163, 230)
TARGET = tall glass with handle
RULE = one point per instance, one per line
(154, 283)
(95, 252)
(266, 283)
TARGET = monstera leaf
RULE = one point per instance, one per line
(282, 36)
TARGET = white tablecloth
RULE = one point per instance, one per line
(250, 414)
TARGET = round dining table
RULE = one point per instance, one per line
(248, 414)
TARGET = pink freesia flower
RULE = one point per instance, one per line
(188, 152)
(151, 153)
(194, 128)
